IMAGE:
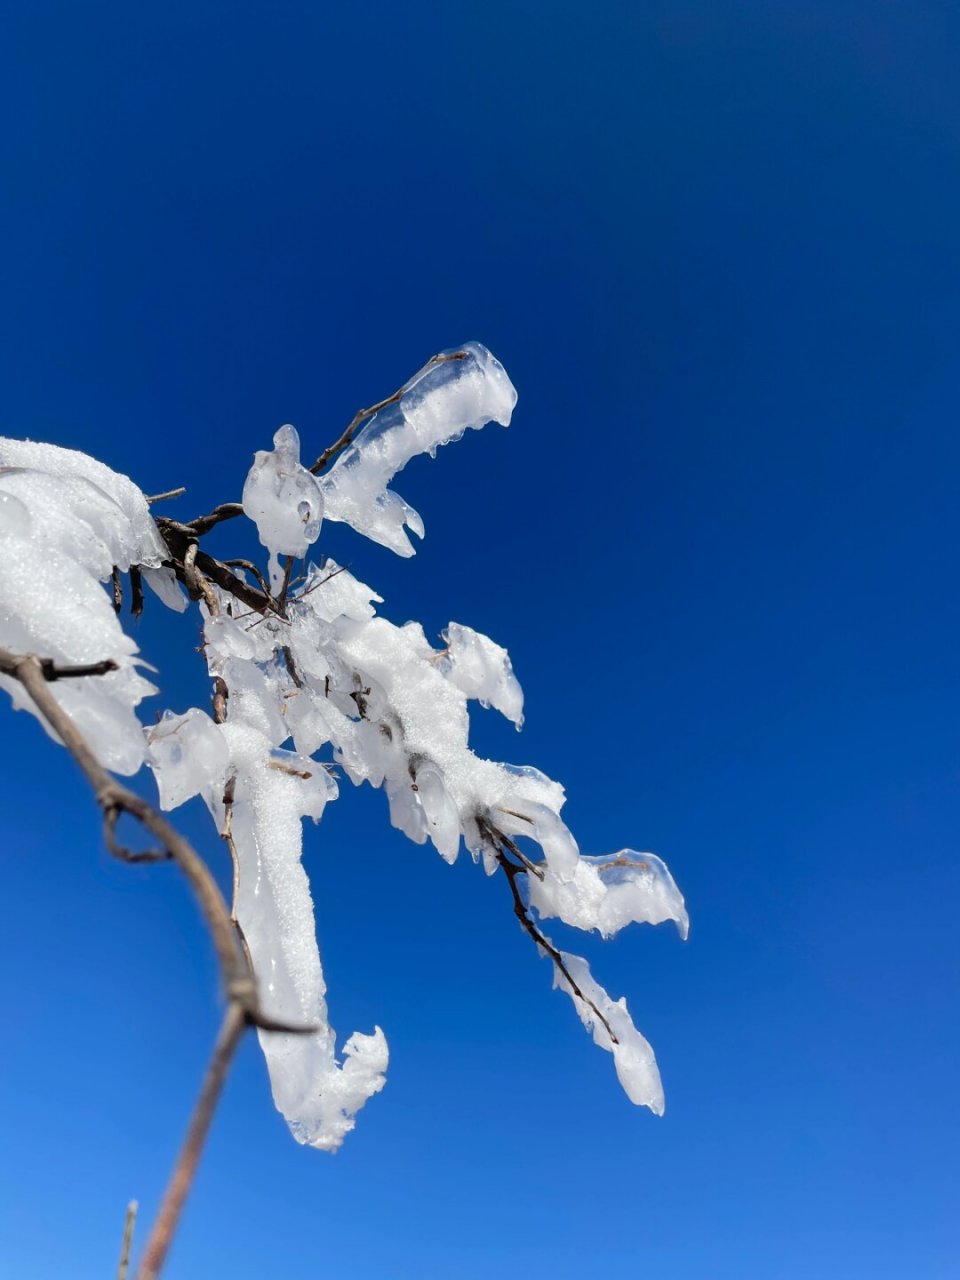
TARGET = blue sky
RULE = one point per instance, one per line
(715, 245)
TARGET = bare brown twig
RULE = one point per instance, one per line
(250, 568)
(136, 590)
(128, 1224)
(225, 511)
(231, 1032)
(169, 493)
(180, 537)
(197, 581)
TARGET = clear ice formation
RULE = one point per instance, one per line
(333, 677)
(283, 500)
(448, 396)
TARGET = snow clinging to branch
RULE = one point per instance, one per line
(312, 684)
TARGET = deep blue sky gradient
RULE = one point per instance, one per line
(716, 247)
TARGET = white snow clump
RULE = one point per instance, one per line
(65, 522)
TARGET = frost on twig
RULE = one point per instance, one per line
(308, 675)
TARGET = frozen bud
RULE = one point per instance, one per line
(282, 498)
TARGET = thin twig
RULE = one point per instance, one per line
(518, 852)
(170, 493)
(323, 581)
(226, 835)
(165, 1225)
(117, 585)
(250, 568)
(128, 1224)
(288, 658)
(220, 695)
(494, 838)
(197, 582)
(61, 671)
(287, 571)
(114, 799)
(136, 590)
(179, 538)
(363, 414)
(225, 511)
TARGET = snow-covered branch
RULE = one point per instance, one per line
(310, 684)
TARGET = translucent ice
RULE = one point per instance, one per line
(436, 406)
(282, 498)
(633, 1057)
(188, 756)
(483, 671)
(163, 583)
(609, 892)
(317, 1096)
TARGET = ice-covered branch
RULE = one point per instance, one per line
(452, 393)
(362, 415)
(301, 664)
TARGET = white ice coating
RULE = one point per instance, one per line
(483, 671)
(316, 1095)
(609, 892)
(137, 540)
(65, 522)
(188, 756)
(448, 396)
(632, 1055)
(380, 701)
(283, 499)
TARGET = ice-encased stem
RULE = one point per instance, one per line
(274, 909)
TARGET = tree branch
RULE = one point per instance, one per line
(180, 537)
(363, 414)
(225, 511)
(50, 670)
(498, 841)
